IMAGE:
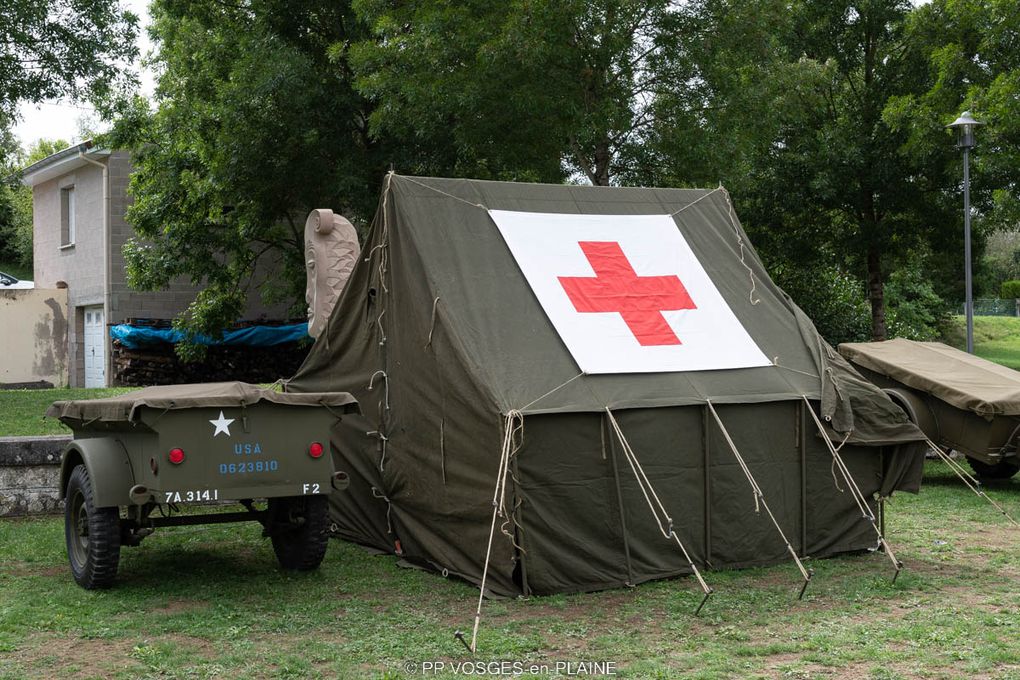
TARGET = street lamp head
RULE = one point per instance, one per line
(965, 125)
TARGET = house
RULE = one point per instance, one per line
(79, 203)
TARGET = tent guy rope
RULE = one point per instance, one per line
(972, 483)
(855, 490)
(558, 387)
(658, 509)
(513, 436)
(759, 496)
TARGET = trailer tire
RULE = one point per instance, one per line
(300, 531)
(1004, 469)
(92, 534)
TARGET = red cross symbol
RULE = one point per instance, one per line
(616, 287)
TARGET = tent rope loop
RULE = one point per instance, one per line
(376, 493)
(386, 386)
(382, 331)
(432, 324)
(382, 446)
(658, 509)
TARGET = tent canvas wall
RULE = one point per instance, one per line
(441, 338)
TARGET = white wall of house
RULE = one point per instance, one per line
(81, 264)
(92, 266)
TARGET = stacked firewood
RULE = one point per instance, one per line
(159, 364)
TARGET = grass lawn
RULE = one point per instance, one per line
(996, 338)
(21, 411)
(208, 601)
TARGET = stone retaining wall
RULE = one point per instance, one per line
(30, 475)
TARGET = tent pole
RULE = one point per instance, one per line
(855, 491)
(759, 497)
(520, 528)
(881, 498)
(802, 446)
(708, 487)
(619, 499)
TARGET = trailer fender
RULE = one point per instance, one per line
(917, 409)
(108, 466)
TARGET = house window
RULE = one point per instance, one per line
(67, 219)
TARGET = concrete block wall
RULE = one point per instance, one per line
(30, 475)
(126, 303)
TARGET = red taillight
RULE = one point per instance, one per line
(315, 450)
(176, 456)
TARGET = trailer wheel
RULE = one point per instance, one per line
(92, 534)
(1004, 469)
(300, 531)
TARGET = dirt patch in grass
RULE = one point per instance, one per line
(76, 657)
(19, 569)
(178, 606)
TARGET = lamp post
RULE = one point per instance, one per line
(964, 126)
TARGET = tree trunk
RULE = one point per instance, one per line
(876, 294)
(602, 159)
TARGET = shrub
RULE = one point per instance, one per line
(1010, 290)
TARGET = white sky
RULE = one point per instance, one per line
(58, 119)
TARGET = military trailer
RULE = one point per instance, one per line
(138, 459)
(959, 401)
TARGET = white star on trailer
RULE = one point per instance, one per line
(222, 425)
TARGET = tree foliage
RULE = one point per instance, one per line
(16, 203)
(826, 120)
(522, 89)
(255, 123)
(58, 48)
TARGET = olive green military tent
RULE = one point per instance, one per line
(477, 391)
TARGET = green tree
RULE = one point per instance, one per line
(523, 89)
(58, 48)
(49, 49)
(16, 230)
(255, 123)
(798, 100)
(8, 225)
(970, 48)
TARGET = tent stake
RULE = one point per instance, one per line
(759, 498)
(459, 634)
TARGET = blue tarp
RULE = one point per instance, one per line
(134, 337)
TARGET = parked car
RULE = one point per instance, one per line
(8, 282)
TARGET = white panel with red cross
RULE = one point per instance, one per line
(626, 293)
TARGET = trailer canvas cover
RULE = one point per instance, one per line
(464, 364)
